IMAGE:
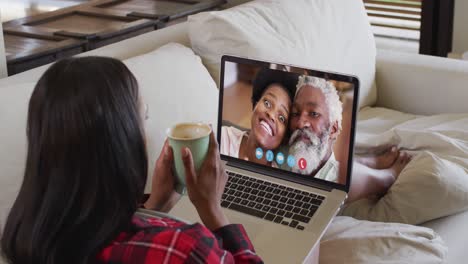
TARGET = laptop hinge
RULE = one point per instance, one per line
(283, 175)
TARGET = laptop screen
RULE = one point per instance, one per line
(289, 119)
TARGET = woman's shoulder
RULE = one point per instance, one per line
(155, 225)
(151, 238)
(231, 138)
(231, 131)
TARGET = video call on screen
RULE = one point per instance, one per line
(287, 118)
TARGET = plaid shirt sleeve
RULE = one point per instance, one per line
(164, 240)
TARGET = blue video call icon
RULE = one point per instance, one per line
(280, 158)
(291, 161)
(259, 153)
(270, 156)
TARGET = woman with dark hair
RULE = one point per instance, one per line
(85, 174)
(272, 95)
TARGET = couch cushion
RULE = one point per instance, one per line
(453, 231)
(177, 88)
(14, 100)
(331, 35)
(413, 83)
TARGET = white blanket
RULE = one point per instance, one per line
(446, 135)
(435, 183)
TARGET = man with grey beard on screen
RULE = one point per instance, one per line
(315, 124)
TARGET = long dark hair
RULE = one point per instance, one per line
(86, 166)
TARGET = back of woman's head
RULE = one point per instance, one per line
(86, 164)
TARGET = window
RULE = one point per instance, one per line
(423, 26)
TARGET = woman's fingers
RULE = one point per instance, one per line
(213, 148)
(167, 153)
(190, 175)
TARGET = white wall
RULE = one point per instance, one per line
(3, 67)
(460, 27)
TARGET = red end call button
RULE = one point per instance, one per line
(302, 163)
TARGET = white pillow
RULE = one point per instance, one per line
(14, 101)
(330, 35)
(177, 88)
(348, 240)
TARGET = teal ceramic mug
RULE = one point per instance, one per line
(196, 137)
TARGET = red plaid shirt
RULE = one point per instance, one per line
(164, 240)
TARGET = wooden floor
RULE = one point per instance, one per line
(13, 9)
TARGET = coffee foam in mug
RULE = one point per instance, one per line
(189, 131)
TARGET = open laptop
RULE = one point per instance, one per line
(286, 134)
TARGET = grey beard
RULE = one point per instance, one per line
(313, 152)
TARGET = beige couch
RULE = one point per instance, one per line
(402, 80)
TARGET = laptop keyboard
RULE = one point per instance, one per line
(277, 203)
